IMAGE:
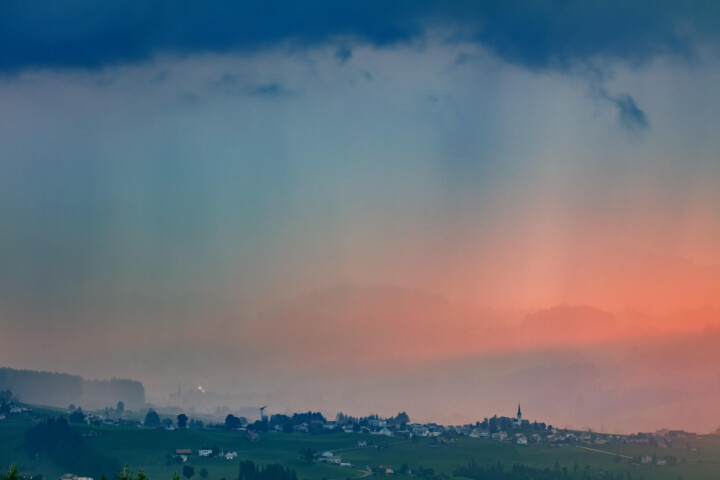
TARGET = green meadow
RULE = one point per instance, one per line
(151, 450)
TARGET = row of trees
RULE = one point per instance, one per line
(519, 471)
(249, 471)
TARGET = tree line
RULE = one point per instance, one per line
(519, 471)
(61, 389)
(65, 446)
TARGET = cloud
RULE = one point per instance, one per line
(269, 90)
(630, 116)
(343, 54)
(85, 34)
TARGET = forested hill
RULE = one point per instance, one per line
(62, 389)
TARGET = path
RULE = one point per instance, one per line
(602, 451)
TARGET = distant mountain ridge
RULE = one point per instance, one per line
(62, 389)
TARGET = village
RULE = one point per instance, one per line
(371, 432)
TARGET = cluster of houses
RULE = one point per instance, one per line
(12, 410)
(333, 459)
(183, 453)
(70, 476)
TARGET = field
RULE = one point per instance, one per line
(150, 450)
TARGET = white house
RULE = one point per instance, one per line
(204, 452)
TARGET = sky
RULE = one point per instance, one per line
(334, 204)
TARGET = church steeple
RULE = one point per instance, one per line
(519, 415)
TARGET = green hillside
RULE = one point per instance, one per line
(152, 451)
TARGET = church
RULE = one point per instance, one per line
(517, 421)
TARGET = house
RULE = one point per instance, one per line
(421, 431)
(348, 429)
(183, 451)
(230, 455)
(499, 436)
(520, 439)
(374, 422)
(205, 452)
(362, 443)
(474, 434)
(329, 426)
(253, 436)
(383, 431)
(68, 476)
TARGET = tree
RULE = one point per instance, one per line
(188, 471)
(120, 407)
(308, 454)
(182, 420)
(12, 473)
(203, 472)
(77, 416)
(125, 474)
(247, 470)
(232, 422)
(71, 408)
(175, 476)
(402, 417)
(152, 419)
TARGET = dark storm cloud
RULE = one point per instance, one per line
(88, 34)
